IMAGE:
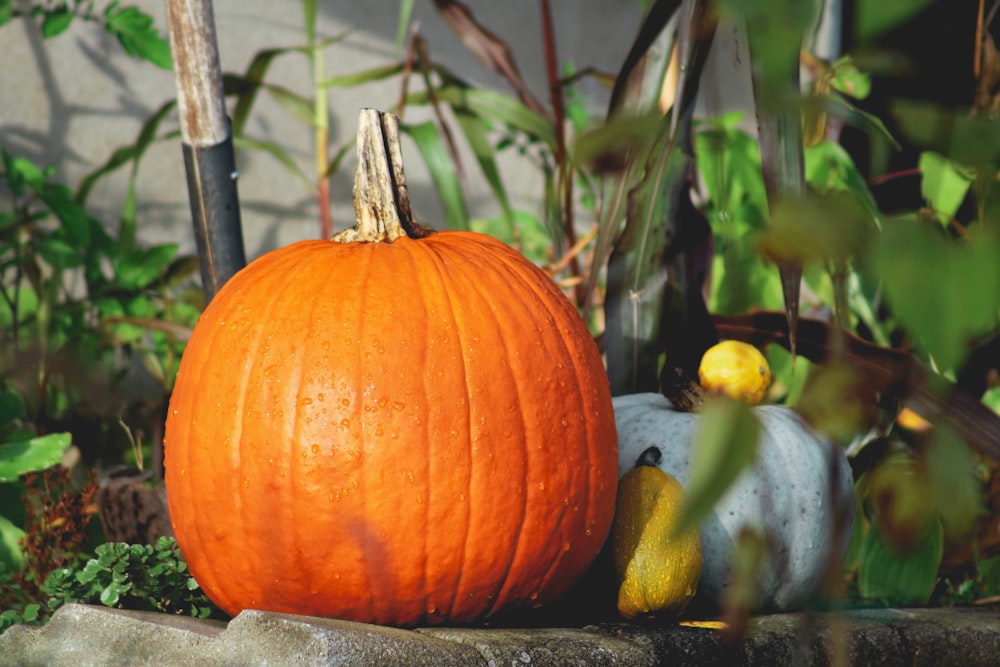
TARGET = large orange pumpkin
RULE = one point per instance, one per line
(403, 432)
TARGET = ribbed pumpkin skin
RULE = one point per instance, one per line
(403, 433)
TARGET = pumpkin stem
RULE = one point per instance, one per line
(381, 202)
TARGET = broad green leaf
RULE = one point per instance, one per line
(830, 168)
(5, 12)
(11, 556)
(957, 490)
(724, 446)
(137, 34)
(60, 254)
(76, 222)
(848, 79)
(602, 146)
(900, 579)
(21, 173)
(944, 292)
(56, 21)
(139, 267)
(18, 458)
(943, 184)
(971, 140)
(817, 227)
(873, 17)
(442, 168)
(11, 407)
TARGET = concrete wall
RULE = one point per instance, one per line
(69, 101)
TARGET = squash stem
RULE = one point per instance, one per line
(381, 202)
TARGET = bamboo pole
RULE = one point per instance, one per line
(207, 142)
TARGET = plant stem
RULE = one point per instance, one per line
(564, 177)
(321, 123)
(381, 202)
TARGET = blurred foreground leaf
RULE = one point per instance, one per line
(725, 445)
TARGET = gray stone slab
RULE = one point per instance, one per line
(81, 635)
(85, 636)
(520, 648)
(265, 639)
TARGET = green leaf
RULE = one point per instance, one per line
(725, 445)
(278, 153)
(873, 17)
(11, 407)
(21, 173)
(140, 267)
(492, 106)
(405, 13)
(900, 579)
(248, 85)
(74, 218)
(443, 173)
(958, 493)
(943, 184)
(137, 34)
(110, 595)
(475, 132)
(944, 292)
(18, 458)
(364, 76)
(971, 140)
(56, 21)
(817, 227)
(848, 79)
(298, 106)
(11, 556)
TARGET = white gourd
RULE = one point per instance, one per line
(787, 492)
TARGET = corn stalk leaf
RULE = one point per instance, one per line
(488, 48)
(432, 148)
(639, 280)
(775, 32)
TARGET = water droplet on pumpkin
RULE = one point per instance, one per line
(409, 476)
(398, 406)
(420, 499)
(345, 423)
(533, 596)
(306, 401)
(566, 546)
(565, 423)
(315, 448)
(183, 472)
(541, 486)
(461, 496)
(379, 432)
(336, 575)
(246, 483)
